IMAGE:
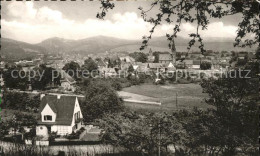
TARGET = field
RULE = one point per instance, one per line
(172, 97)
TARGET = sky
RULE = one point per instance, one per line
(36, 21)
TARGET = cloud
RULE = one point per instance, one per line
(22, 10)
(33, 25)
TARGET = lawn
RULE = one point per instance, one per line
(188, 96)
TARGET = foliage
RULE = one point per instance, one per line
(75, 135)
(235, 116)
(204, 10)
(139, 56)
(205, 65)
(100, 99)
(72, 68)
(4, 127)
(16, 81)
(90, 66)
(20, 101)
(130, 69)
(13, 80)
(50, 76)
(31, 134)
(141, 132)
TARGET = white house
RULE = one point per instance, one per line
(61, 114)
(67, 82)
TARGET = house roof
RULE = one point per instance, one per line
(66, 77)
(108, 70)
(155, 65)
(196, 62)
(165, 57)
(127, 59)
(63, 107)
(188, 62)
(100, 62)
(142, 67)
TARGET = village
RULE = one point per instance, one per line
(129, 78)
(59, 110)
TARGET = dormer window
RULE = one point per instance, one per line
(47, 118)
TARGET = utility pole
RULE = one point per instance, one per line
(176, 100)
(159, 148)
(159, 144)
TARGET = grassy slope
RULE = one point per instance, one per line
(189, 96)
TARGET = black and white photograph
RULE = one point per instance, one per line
(129, 78)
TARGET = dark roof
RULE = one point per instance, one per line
(63, 107)
(196, 62)
(165, 57)
(66, 77)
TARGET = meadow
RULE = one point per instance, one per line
(172, 96)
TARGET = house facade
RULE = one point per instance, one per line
(67, 82)
(60, 114)
(165, 58)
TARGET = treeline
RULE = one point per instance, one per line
(20, 101)
(39, 78)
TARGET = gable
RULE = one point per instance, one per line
(47, 110)
(170, 65)
(64, 108)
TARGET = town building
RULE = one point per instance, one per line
(151, 57)
(165, 58)
(59, 114)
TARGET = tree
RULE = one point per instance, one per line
(15, 80)
(235, 113)
(4, 129)
(144, 133)
(100, 99)
(90, 66)
(204, 10)
(72, 69)
(139, 57)
(205, 65)
(130, 69)
(21, 101)
(49, 76)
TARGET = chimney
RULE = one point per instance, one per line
(41, 96)
(58, 96)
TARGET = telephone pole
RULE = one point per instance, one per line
(176, 100)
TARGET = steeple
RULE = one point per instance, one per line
(150, 52)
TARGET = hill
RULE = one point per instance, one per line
(13, 49)
(101, 44)
(91, 45)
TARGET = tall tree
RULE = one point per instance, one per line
(90, 67)
(72, 68)
(45, 77)
(236, 113)
(100, 99)
(205, 65)
(139, 56)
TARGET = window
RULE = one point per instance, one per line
(77, 116)
(47, 118)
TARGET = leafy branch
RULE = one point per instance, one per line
(204, 10)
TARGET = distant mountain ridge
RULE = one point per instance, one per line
(101, 44)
